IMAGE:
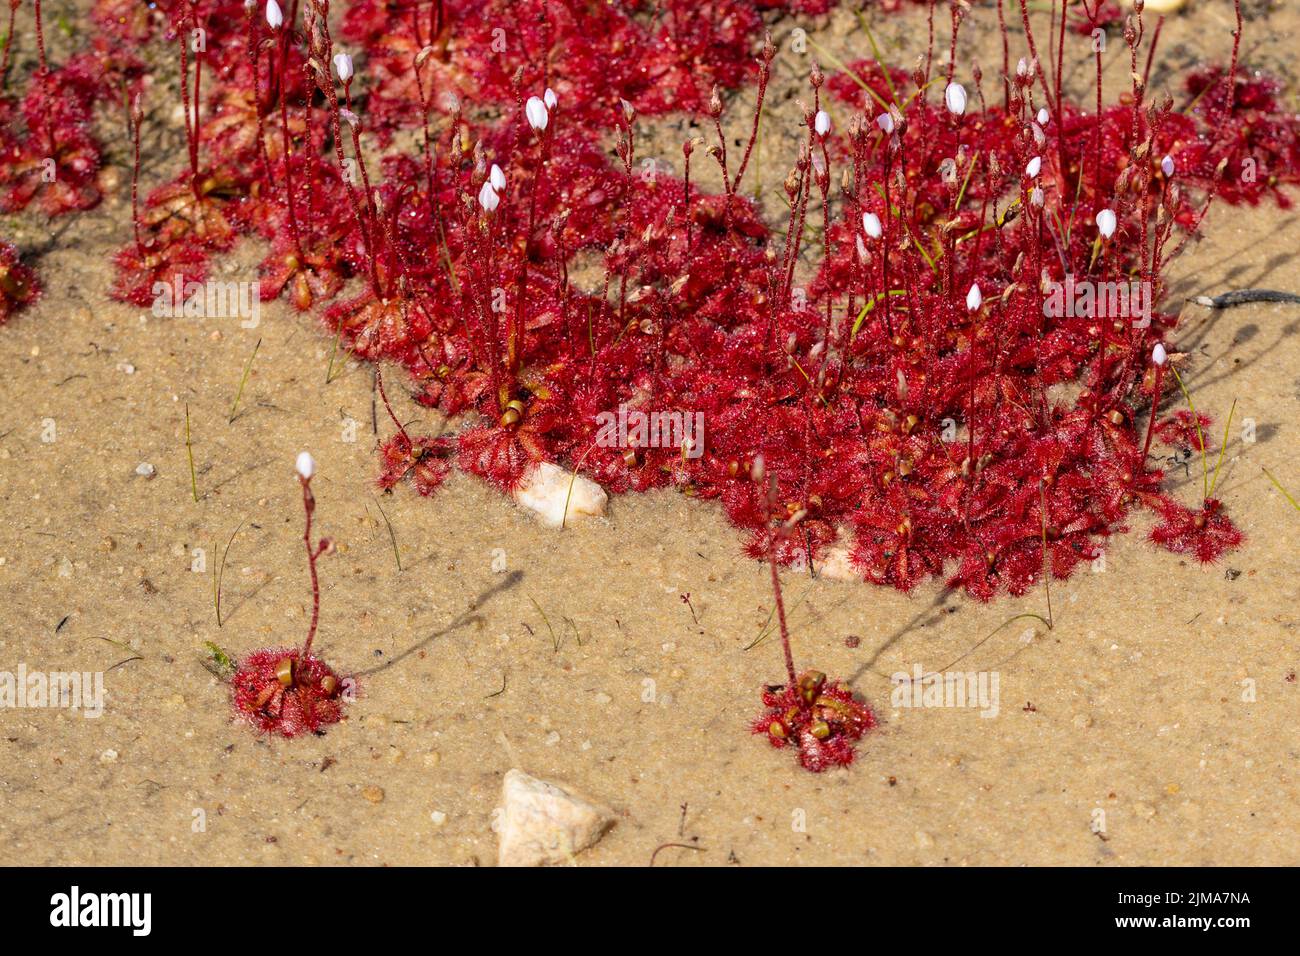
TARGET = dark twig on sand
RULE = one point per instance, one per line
(680, 846)
(1227, 300)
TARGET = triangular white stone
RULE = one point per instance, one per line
(544, 823)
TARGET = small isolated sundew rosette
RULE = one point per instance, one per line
(290, 691)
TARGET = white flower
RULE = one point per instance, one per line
(862, 249)
(974, 298)
(1167, 166)
(1158, 354)
(488, 198)
(343, 66)
(1022, 67)
(1036, 197)
(497, 178)
(305, 465)
(1106, 223)
(955, 97)
(1043, 116)
(274, 15)
(538, 115)
(550, 99)
(886, 122)
(822, 122)
(1033, 167)
(871, 225)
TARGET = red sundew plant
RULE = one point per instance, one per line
(1183, 430)
(290, 691)
(18, 285)
(48, 152)
(820, 718)
(423, 460)
(1258, 147)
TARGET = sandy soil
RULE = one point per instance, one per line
(1165, 695)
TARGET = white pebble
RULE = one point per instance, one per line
(543, 823)
(837, 565)
(546, 489)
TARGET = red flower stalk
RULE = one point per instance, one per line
(306, 468)
(9, 42)
(135, 115)
(1158, 358)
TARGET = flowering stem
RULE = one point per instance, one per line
(9, 41)
(136, 115)
(198, 79)
(514, 345)
(379, 382)
(284, 137)
(1155, 410)
(309, 506)
(1200, 438)
(255, 56)
(780, 610)
(40, 39)
(687, 148)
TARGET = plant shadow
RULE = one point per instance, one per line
(465, 617)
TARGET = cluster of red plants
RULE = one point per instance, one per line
(50, 155)
(433, 178)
